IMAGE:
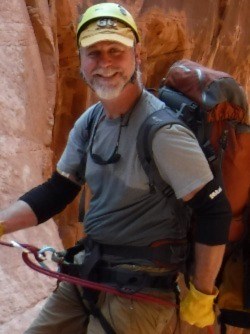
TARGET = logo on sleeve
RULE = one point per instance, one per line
(215, 193)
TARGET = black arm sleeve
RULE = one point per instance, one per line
(51, 197)
(213, 214)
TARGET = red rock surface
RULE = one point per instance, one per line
(41, 95)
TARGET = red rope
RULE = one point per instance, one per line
(210, 330)
(94, 285)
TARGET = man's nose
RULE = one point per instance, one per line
(105, 59)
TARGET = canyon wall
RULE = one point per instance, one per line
(42, 94)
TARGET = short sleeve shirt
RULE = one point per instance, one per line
(122, 209)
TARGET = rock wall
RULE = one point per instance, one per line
(41, 95)
(29, 70)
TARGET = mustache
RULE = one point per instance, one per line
(108, 72)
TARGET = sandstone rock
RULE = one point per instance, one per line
(21, 287)
(28, 67)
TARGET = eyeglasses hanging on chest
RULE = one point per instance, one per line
(115, 156)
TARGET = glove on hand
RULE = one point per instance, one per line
(197, 308)
(2, 229)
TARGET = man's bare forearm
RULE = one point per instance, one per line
(208, 260)
(18, 216)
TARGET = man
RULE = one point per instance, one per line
(123, 213)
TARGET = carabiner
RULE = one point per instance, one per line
(42, 256)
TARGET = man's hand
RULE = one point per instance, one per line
(197, 308)
(2, 228)
(17, 216)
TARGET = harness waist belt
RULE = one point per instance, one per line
(125, 280)
(169, 253)
(130, 281)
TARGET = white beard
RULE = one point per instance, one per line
(108, 92)
(111, 91)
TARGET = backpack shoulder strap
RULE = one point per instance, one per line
(92, 119)
(95, 114)
(145, 136)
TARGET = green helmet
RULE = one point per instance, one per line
(107, 10)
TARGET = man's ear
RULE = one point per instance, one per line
(138, 53)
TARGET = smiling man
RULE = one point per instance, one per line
(136, 238)
(108, 65)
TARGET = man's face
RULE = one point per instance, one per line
(108, 67)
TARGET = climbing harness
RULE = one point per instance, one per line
(40, 255)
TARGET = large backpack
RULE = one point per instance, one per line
(213, 105)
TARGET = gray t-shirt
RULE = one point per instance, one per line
(122, 210)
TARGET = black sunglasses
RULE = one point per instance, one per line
(114, 157)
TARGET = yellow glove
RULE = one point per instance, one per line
(197, 308)
(2, 229)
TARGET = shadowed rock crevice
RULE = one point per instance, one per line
(165, 40)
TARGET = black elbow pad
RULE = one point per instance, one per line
(212, 214)
(51, 197)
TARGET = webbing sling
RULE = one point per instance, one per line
(93, 309)
(91, 259)
(90, 296)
